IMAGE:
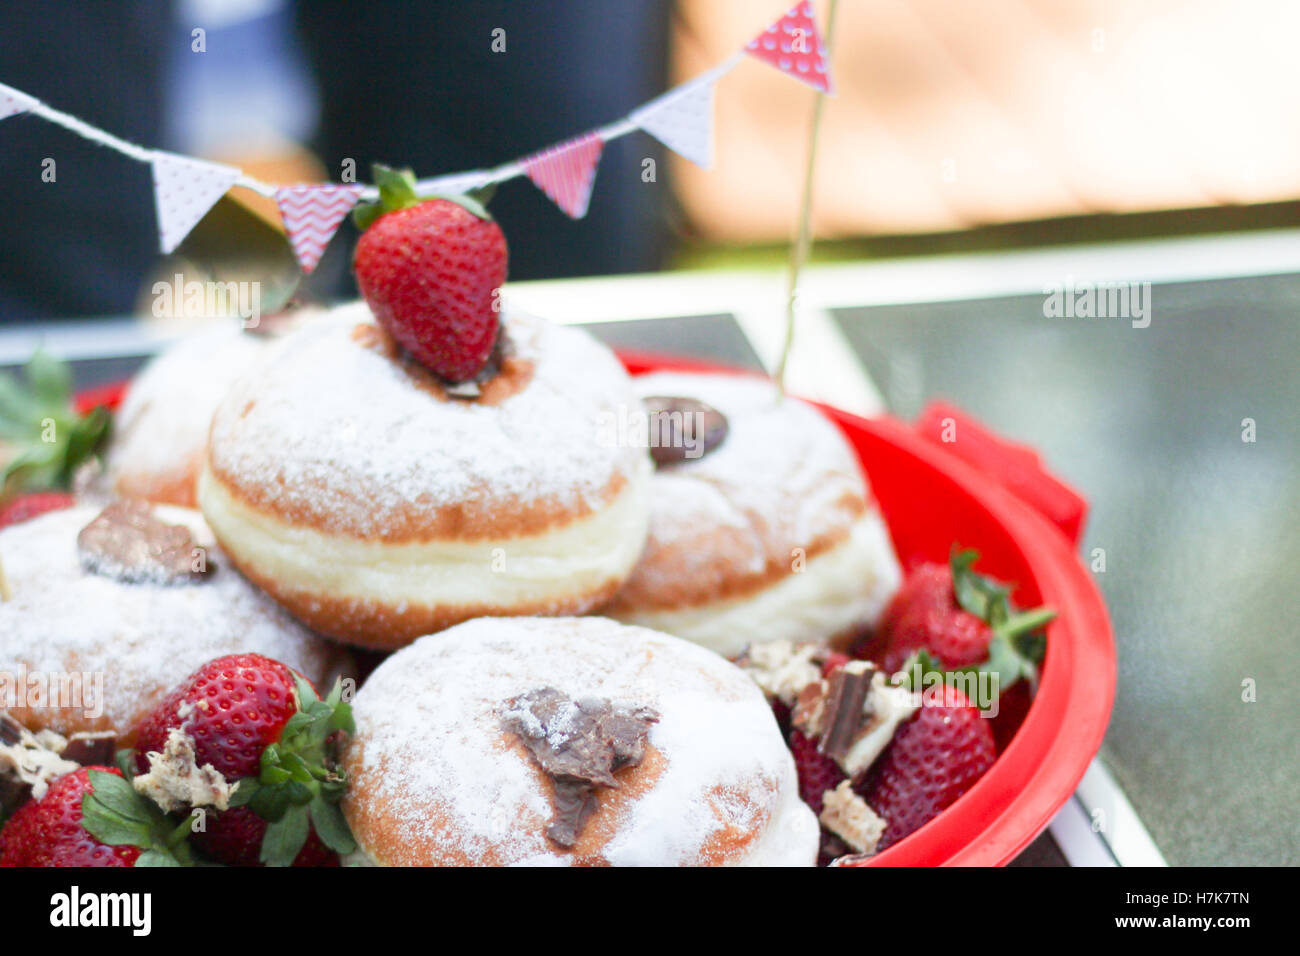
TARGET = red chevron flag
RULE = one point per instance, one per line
(566, 172)
(14, 101)
(312, 213)
(794, 47)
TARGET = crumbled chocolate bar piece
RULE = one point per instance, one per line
(845, 709)
(849, 817)
(91, 749)
(127, 542)
(580, 745)
(28, 763)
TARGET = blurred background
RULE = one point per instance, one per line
(972, 125)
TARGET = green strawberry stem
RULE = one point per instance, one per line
(42, 437)
(299, 784)
(397, 190)
(1018, 644)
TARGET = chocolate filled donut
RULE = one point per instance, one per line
(569, 742)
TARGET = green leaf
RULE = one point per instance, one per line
(157, 858)
(118, 796)
(270, 803)
(85, 437)
(124, 760)
(342, 719)
(331, 826)
(299, 794)
(110, 827)
(17, 406)
(50, 379)
(396, 187)
(306, 693)
(365, 214)
(245, 789)
(285, 838)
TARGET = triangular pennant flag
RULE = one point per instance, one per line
(184, 189)
(794, 47)
(14, 101)
(566, 172)
(312, 213)
(682, 119)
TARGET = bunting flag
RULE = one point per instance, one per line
(312, 214)
(184, 189)
(794, 47)
(566, 172)
(14, 101)
(682, 119)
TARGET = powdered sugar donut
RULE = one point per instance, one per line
(92, 639)
(160, 432)
(772, 535)
(569, 741)
(376, 507)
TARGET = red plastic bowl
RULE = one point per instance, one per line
(982, 492)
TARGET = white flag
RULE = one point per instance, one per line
(14, 101)
(682, 119)
(184, 189)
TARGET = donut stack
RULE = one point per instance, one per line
(425, 475)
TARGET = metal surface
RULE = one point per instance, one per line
(1198, 526)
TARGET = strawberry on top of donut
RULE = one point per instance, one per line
(431, 270)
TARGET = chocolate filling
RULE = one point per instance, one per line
(127, 543)
(580, 745)
(668, 432)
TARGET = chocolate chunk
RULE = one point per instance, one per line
(580, 745)
(682, 429)
(10, 730)
(126, 542)
(91, 749)
(573, 802)
(845, 700)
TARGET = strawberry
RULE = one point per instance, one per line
(963, 620)
(49, 831)
(933, 759)
(430, 271)
(33, 505)
(817, 772)
(256, 722)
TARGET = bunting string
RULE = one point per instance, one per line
(185, 188)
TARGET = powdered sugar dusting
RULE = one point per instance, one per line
(165, 416)
(783, 478)
(432, 715)
(331, 429)
(144, 637)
